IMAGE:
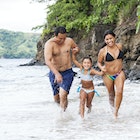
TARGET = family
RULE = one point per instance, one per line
(58, 58)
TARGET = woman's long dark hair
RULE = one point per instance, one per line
(108, 32)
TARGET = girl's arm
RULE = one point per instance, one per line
(75, 60)
(95, 72)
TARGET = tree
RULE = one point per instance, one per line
(85, 14)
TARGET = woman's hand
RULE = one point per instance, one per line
(103, 69)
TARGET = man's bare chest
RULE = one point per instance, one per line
(61, 51)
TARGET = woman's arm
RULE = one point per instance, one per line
(119, 45)
(100, 60)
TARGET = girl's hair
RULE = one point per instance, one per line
(107, 32)
(87, 57)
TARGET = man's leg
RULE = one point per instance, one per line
(57, 98)
(65, 87)
(55, 87)
(63, 99)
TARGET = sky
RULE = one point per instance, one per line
(21, 15)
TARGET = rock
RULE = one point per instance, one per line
(91, 44)
(32, 63)
(135, 71)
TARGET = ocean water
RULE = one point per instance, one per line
(28, 112)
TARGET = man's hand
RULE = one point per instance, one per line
(58, 78)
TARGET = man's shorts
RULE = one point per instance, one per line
(68, 77)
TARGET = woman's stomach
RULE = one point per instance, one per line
(113, 67)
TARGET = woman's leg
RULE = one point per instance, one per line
(89, 101)
(83, 96)
(110, 88)
(119, 83)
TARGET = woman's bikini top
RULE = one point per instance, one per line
(109, 57)
(86, 77)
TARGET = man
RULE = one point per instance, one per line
(57, 55)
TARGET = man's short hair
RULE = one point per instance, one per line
(60, 29)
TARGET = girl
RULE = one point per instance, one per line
(87, 89)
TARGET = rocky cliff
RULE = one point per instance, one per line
(90, 45)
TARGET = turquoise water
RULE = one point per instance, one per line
(27, 110)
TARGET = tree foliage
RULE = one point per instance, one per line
(85, 14)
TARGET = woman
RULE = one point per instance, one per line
(110, 62)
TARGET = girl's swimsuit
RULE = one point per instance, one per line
(86, 77)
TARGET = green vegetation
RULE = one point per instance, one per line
(74, 15)
(17, 44)
(85, 14)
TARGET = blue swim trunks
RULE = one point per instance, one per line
(68, 77)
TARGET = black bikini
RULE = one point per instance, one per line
(109, 57)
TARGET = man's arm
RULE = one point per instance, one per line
(48, 58)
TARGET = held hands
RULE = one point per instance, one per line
(102, 73)
(103, 69)
(75, 50)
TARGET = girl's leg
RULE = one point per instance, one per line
(119, 82)
(83, 96)
(89, 101)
